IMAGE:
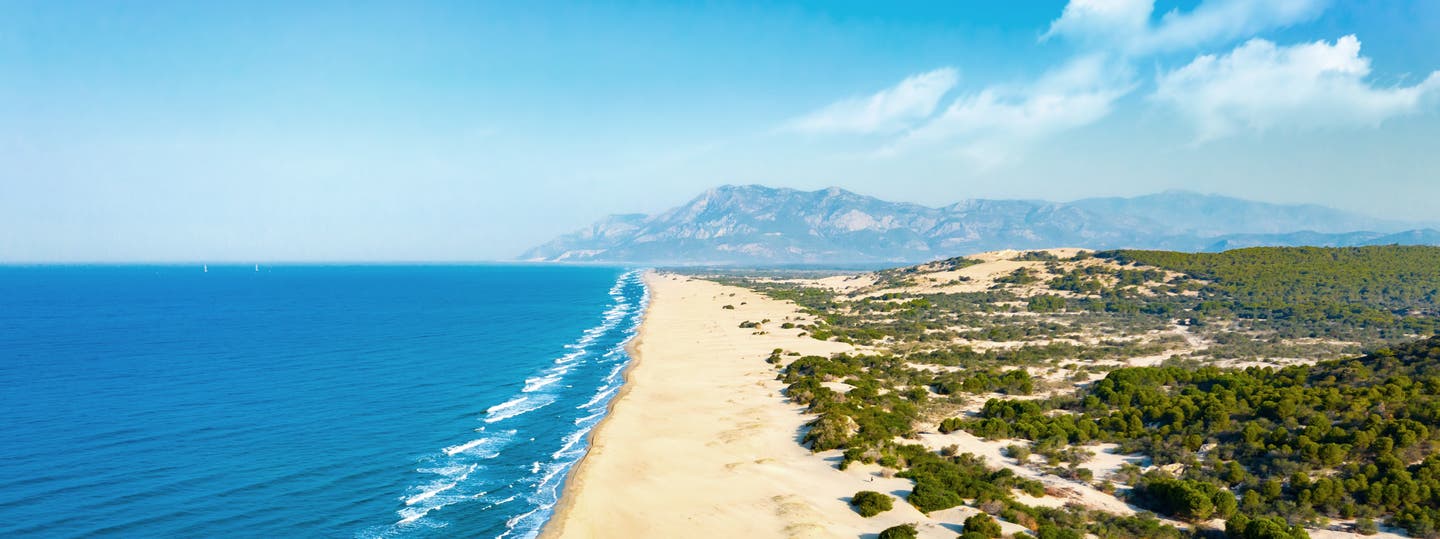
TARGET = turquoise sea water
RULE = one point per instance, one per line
(301, 401)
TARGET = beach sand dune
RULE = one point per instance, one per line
(702, 443)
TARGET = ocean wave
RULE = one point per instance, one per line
(513, 524)
(605, 392)
(516, 401)
(615, 373)
(537, 383)
(470, 448)
(571, 441)
(532, 498)
(522, 405)
(590, 417)
(503, 502)
(434, 489)
(447, 471)
(572, 356)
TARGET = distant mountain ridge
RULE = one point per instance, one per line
(753, 224)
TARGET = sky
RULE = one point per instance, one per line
(458, 131)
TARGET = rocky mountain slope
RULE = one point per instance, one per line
(754, 224)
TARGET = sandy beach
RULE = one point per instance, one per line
(702, 443)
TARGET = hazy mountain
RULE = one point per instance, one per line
(1186, 213)
(754, 224)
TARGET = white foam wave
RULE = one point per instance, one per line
(472, 448)
(410, 514)
(603, 393)
(571, 441)
(456, 481)
(541, 382)
(590, 417)
(525, 405)
(510, 525)
(615, 373)
(504, 501)
(434, 489)
(506, 405)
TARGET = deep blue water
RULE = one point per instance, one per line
(301, 401)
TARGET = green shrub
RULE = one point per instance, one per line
(903, 531)
(1018, 452)
(1050, 531)
(870, 503)
(1366, 526)
(1046, 303)
(981, 526)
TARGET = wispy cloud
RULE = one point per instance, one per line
(1257, 86)
(1261, 86)
(1126, 26)
(888, 111)
(987, 126)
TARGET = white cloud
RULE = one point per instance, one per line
(1125, 25)
(1257, 86)
(990, 125)
(888, 111)
(1260, 86)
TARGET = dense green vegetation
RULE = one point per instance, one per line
(1187, 499)
(1243, 527)
(1340, 439)
(1369, 295)
(1267, 450)
(870, 503)
(866, 424)
(903, 531)
(980, 526)
(1386, 291)
(863, 417)
(944, 482)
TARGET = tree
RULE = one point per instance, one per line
(1046, 303)
(1243, 527)
(1191, 500)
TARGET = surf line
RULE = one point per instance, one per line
(452, 467)
(549, 482)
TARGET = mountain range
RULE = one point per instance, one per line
(758, 225)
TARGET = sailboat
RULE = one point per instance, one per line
(257, 268)
(204, 268)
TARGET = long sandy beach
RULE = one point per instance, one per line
(702, 443)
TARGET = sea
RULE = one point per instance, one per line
(302, 401)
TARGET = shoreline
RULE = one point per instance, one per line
(702, 441)
(555, 525)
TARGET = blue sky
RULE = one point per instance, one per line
(264, 131)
